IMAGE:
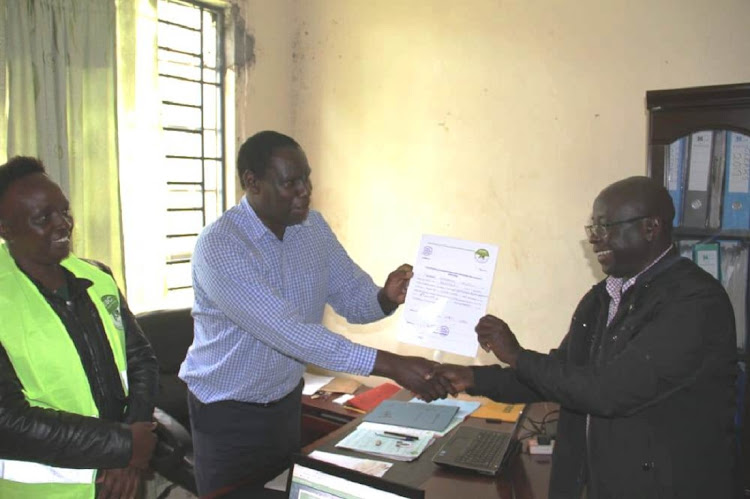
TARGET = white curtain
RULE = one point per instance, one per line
(61, 108)
(3, 117)
(142, 177)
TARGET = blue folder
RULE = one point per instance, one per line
(736, 210)
(420, 416)
(695, 202)
(675, 175)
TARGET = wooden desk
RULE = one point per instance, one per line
(527, 477)
(321, 416)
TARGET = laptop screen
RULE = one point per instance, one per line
(313, 479)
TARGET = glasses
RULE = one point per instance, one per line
(602, 230)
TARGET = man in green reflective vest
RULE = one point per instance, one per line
(77, 377)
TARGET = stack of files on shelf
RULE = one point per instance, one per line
(728, 262)
(700, 161)
(716, 179)
(695, 204)
(707, 173)
(685, 247)
(734, 266)
(708, 257)
(674, 174)
(736, 210)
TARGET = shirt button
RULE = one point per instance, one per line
(647, 466)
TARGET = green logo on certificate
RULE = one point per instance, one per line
(481, 255)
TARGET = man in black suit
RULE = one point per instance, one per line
(645, 375)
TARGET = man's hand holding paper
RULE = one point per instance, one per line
(393, 293)
(495, 335)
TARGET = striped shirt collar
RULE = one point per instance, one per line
(616, 287)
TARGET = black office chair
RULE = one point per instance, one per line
(171, 334)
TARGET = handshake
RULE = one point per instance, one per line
(431, 380)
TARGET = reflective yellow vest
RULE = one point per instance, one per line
(47, 364)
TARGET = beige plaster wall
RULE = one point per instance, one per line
(261, 54)
(496, 121)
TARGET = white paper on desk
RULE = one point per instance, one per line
(367, 466)
(448, 294)
(278, 483)
(343, 399)
(314, 382)
(370, 440)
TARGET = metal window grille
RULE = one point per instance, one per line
(192, 112)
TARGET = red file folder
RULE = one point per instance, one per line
(370, 399)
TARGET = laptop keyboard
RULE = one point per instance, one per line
(485, 450)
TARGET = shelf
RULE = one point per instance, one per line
(703, 234)
(678, 113)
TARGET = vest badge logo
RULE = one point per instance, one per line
(112, 304)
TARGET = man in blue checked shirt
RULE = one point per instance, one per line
(262, 275)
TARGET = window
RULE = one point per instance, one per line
(191, 88)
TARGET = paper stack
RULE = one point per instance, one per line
(405, 445)
(403, 430)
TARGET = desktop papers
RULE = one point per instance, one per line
(399, 442)
(465, 408)
(406, 445)
(367, 466)
(494, 411)
(420, 416)
(314, 382)
(448, 294)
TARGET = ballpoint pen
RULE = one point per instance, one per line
(402, 436)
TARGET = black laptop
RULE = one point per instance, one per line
(481, 450)
(313, 479)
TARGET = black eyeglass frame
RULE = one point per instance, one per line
(602, 230)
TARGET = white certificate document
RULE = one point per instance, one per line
(448, 294)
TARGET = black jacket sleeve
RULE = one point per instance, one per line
(143, 370)
(685, 339)
(503, 384)
(53, 437)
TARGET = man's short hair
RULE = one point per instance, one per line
(16, 168)
(654, 196)
(255, 153)
(651, 195)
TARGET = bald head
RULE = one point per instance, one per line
(631, 225)
(644, 196)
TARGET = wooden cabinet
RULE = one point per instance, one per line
(677, 119)
(721, 114)
(321, 416)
